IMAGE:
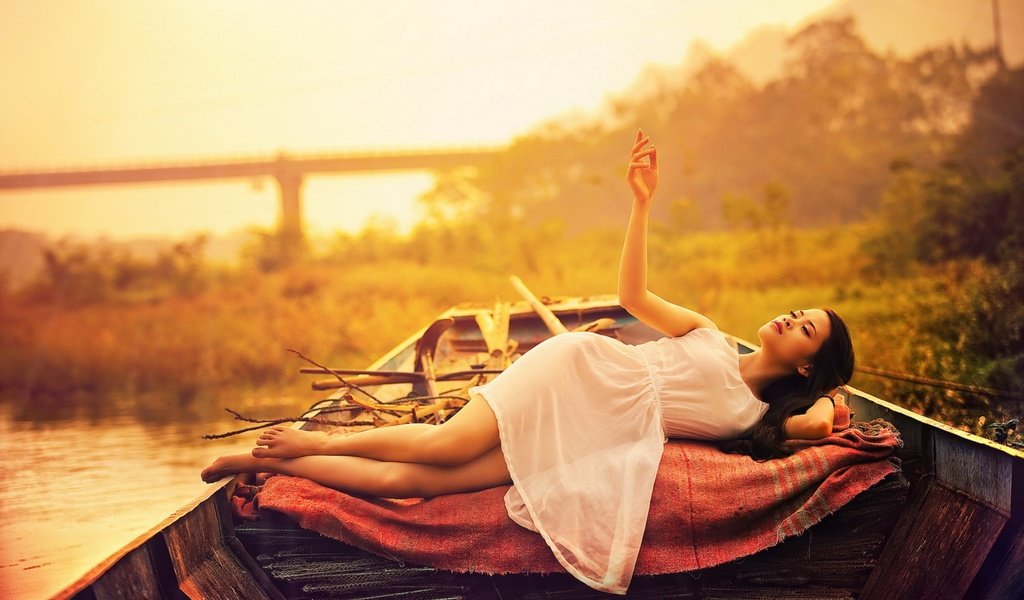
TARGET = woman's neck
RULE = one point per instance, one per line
(758, 371)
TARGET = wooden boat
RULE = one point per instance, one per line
(950, 525)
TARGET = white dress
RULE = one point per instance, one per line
(582, 421)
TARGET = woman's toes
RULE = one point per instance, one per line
(210, 473)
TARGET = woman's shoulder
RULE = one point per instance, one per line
(712, 334)
(706, 338)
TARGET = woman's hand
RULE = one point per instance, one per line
(641, 175)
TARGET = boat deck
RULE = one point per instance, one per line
(833, 559)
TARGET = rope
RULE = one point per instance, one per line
(949, 385)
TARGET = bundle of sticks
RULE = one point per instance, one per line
(358, 407)
(435, 406)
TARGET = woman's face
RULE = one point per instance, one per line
(793, 338)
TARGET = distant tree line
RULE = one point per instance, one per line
(970, 207)
(820, 138)
(79, 273)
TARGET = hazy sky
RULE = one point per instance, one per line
(114, 82)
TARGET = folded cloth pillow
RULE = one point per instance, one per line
(841, 420)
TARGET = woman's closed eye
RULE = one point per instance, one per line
(803, 328)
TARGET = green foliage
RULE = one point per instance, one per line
(968, 214)
(996, 126)
(77, 274)
(684, 215)
(893, 246)
(271, 250)
(742, 212)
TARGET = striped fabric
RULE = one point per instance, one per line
(708, 508)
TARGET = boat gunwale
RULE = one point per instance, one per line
(96, 572)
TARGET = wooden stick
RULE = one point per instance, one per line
(367, 380)
(550, 320)
(328, 370)
(410, 375)
(335, 373)
(421, 412)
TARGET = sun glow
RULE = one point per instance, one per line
(234, 79)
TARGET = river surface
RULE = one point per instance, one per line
(74, 491)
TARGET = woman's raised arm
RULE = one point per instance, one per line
(634, 296)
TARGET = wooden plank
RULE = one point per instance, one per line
(223, 505)
(975, 469)
(205, 567)
(134, 576)
(429, 373)
(426, 346)
(494, 329)
(1005, 579)
(1002, 575)
(938, 547)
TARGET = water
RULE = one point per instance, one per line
(73, 492)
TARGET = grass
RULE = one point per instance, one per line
(233, 335)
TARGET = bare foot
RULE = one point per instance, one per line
(232, 464)
(285, 442)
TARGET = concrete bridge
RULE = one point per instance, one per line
(289, 170)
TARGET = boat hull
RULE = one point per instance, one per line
(949, 525)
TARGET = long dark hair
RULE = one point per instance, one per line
(832, 367)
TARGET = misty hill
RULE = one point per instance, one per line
(904, 27)
(816, 140)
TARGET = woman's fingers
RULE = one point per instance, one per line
(654, 157)
(636, 161)
(642, 153)
(640, 144)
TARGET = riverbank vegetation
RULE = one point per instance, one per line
(891, 190)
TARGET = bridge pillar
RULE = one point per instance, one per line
(290, 223)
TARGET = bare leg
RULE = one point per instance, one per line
(470, 433)
(369, 477)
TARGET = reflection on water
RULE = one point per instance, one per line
(74, 491)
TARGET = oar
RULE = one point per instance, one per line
(550, 320)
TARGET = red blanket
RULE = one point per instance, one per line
(708, 508)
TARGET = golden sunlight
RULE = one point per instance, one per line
(120, 83)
